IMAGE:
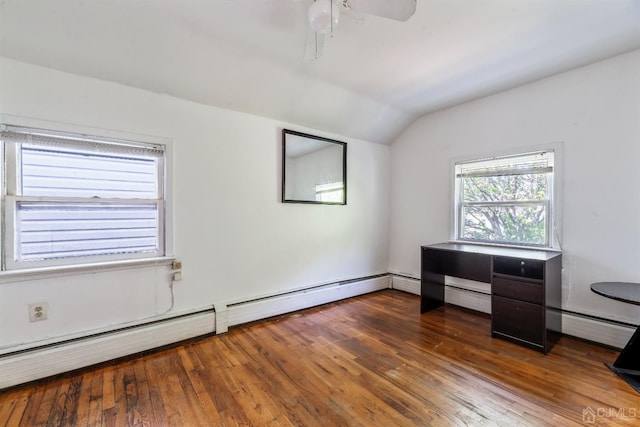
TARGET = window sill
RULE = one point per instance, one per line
(502, 245)
(11, 276)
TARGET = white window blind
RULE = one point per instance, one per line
(73, 198)
(64, 172)
(541, 162)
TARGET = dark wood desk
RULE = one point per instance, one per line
(525, 287)
(627, 365)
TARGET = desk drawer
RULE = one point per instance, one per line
(516, 289)
(518, 319)
(519, 267)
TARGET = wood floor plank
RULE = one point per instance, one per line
(84, 401)
(165, 406)
(155, 377)
(35, 396)
(204, 398)
(44, 409)
(16, 417)
(369, 360)
(68, 402)
(94, 411)
(108, 384)
(141, 404)
(119, 414)
(276, 363)
(6, 408)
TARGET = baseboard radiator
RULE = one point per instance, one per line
(236, 313)
(606, 332)
(43, 362)
(475, 297)
(37, 363)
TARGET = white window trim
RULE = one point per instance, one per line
(53, 272)
(555, 219)
(90, 263)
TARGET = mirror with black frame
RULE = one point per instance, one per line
(314, 169)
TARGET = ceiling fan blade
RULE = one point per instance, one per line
(315, 45)
(400, 10)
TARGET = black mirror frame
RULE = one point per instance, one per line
(286, 132)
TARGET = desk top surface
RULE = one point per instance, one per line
(621, 291)
(534, 254)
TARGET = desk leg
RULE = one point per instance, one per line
(627, 365)
(431, 291)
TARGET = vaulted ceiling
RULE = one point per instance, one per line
(375, 75)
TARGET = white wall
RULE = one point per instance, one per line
(594, 112)
(235, 238)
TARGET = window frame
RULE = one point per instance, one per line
(10, 163)
(551, 204)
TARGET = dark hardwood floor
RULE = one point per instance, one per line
(372, 360)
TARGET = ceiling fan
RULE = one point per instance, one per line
(324, 16)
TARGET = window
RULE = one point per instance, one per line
(72, 198)
(506, 200)
(332, 192)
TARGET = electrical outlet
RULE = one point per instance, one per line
(38, 311)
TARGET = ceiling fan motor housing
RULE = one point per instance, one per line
(323, 15)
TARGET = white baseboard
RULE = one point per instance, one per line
(39, 363)
(470, 285)
(452, 295)
(468, 299)
(21, 367)
(596, 330)
(242, 312)
(585, 327)
(406, 284)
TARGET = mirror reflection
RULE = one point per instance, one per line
(314, 169)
